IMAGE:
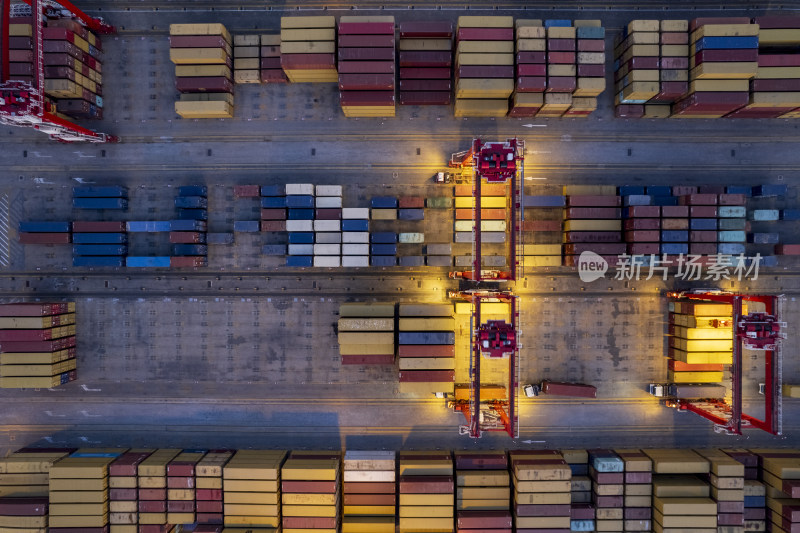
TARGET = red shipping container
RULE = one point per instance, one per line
(593, 201)
(20, 335)
(185, 237)
(152, 506)
(769, 22)
(369, 487)
(680, 366)
(411, 202)
(245, 191)
(121, 494)
(425, 350)
(20, 43)
(769, 60)
(308, 61)
(180, 506)
(424, 73)
(642, 223)
(366, 67)
(20, 56)
(581, 511)
(675, 211)
(591, 71)
(187, 261)
(703, 236)
(560, 45)
(213, 84)
(208, 494)
(180, 482)
(675, 224)
(674, 63)
(489, 71)
(698, 199)
(165, 528)
(426, 484)
(731, 519)
(530, 70)
(197, 41)
(37, 346)
(701, 21)
(592, 236)
(642, 236)
(526, 461)
(273, 76)
(378, 359)
(493, 214)
(314, 487)
(702, 249)
(127, 463)
(570, 389)
(713, 101)
(45, 238)
(427, 376)
(485, 34)
(328, 214)
(703, 211)
(543, 510)
(270, 62)
(433, 86)
(755, 513)
(23, 506)
(366, 41)
(789, 84)
(739, 55)
(442, 29)
(366, 98)
(780, 249)
(309, 522)
(425, 98)
(484, 520)
(366, 28)
(674, 37)
(591, 45)
(531, 57)
(207, 506)
(593, 212)
(273, 225)
(607, 248)
(422, 58)
(366, 82)
(561, 84)
(152, 494)
(772, 112)
(638, 513)
(62, 47)
(647, 63)
(521, 112)
(366, 54)
(644, 248)
(480, 461)
(532, 84)
(563, 58)
(644, 211)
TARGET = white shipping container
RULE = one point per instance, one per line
(463, 225)
(355, 260)
(355, 237)
(328, 261)
(355, 249)
(355, 212)
(300, 188)
(329, 190)
(328, 238)
(299, 225)
(327, 249)
(380, 476)
(463, 236)
(327, 225)
(486, 225)
(411, 238)
(493, 236)
(301, 249)
(328, 202)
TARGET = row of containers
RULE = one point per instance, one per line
(72, 64)
(37, 345)
(438, 491)
(733, 67)
(552, 68)
(494, 226)
(611, 221)
(700, 342)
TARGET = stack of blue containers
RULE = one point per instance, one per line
(110, 197)
(110, 234)
(300, 224)
(273, 216)
(188, 233)
(383, 248)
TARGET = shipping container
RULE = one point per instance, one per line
(273, 249)
(99, 238)
(192, 214)
(96, 261)
(147, 261)
(355, 237)
(44, 238)
(355, 261)
(693, 392)
(383, 260)
(98, 227)
(112, 191)
(299, 261)
(99, 249)
(44, 227)
(569, 389)
(189, 249)
(99, 203)
(383, 249)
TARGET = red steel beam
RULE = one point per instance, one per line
(93, 24)
(512, 375)
(476, 218)
(476, 377)
(705, 414)
(735, 422)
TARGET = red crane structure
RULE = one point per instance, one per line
(26, 105)
(757, 331)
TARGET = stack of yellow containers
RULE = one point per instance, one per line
(369, 492)
(638, 490)
(701, 341)
(209, 487)
(79, 489)
(311, 489)
(541, 489)
(308, 49)
(484, 42)
(38, 345)
(531, 68)
(122, 491)
(555, 104)
(426, 492)
(180, 487)
(24, 489)
(153, 488)
(483, 491)
(366, 333)
(247, 58)
(251, 482)
(637, 51)
(492, 199)
(780, 470)
(435, 355)
(673, 68)
(590, 67)
(727, 487)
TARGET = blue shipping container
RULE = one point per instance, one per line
(383, 237)
(383, 249)
(764, 214)
(557, 23)
(191, 202)
(300, 260)
(301, 238)
(726, 43)
(665, 200)
(637, 199)
(659, 190)
(383, 261)
(187, 225)
(767, 261)
(305, 201)
(249, 226)
(147, 261)
(747, 190)
(674, 248)
(99, 249)
(355, 225)
(272, 190)
(755, 238)
(674, 236)
(44, 227)
(301, 214)
(731, 236)
(189, 249)
(193, 190)
(99, 203)
(273, 249)
(703, 224)
(627, 190)
(112, 191)
(790, 214)
(192, 214)
(148, 226)
(411, 214)
(730, 248)
(273, 202)
(543, 201)
(732, 211)
(426, 337)
(770, 190)
(98, 261)
(732, 224)
(99, 238)
(384, 202)
(591, 32)
(219, 238)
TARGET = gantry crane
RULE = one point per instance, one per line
(26, 105)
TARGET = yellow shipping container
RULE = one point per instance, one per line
(541, 249)
(29, 383)
(353, 309)
(778, 99)
(207, 109)
(383, 214)
(427, 363)
(247, 76)
(646, 50)
(561, 32)
(675, 50)
(580, 103)
(587, 23)
(426, 389)
(200, 29)
(562, 70)
(308, 22)
(531, 45)
(771, 73)
(591, 58)
(194, 56)
(472, 478)
(308, 47)
(544, 522)
(412, 310)
(366, 349)
(328, 511)
(481, 108)
(265, 511)
(346, 337)
(487, 202)
(541, 261)
(674, 25)
(37, 370)
(306, 34)
(703, 358)
(703, 333)
(463, 59)
(643, 25)
(694, 377)
(33, 358)
(704, 345)
(368, 524)
(427, 324)
(484, 88)
(426, 525)
(485, 22)
(426, 511)
(207, 97)
(589, 87)
(719, 85)
(779, 37)
(791, 391)
(366, 324)
(202, 70)
(588, 190)
(439, 45)
(249, 63)
(593, 225)
(725, 30)
(641, 90)
(530, 32)
(486, 47)
(528, 99)
(727, 70)
(487, 493)
(20, 30)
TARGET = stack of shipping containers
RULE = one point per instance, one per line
(680, 500)
(108, 233)
(582, 512)
(426, 492)
(494, 224)
(701, 341)
(271, 71)
(484, 44)
(367, 66)
(308, 49)
(606, 470)
(111, 197)
(592, 222)
(355, 237)
(755, 493)
(673, 68)
(25, 514)
(181, 484)
(426, 342)
(636, 78)
(641, 223)
(152, 482)
(369, 492)
(247, 58)
(311, 497)
(425, 60)
(483, 492)
(366, 334)
(675, 219)
(38, 345)
(779, 470)
(208, 482)
(202, 55)
(439, 255)
(561, 68)
(251, 483)
(300, 223)
(590, 67)
(541, 230)
(44, 233)
(189, 248)
(411, 214)
(638, 490)
(25, 489)
(775, 89)
(541, 490)
(273, 216)
(99, 243)
(123, 503)
(531, 68)
(727, 487)
(383, 244)
(79, 489)
(328, 226)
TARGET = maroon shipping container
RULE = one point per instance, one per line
(532, 84)
(271, 52)
(369, 499)
(592, 236)
(366, 67)
(701, 21)
(180, 482)
(523, 111)
(23, 506)
(273, 225)
(730, 507)
(426, 350)
(703, 211)
(563, 58)
(160, 528)
(647, 63)
(209, 506)
(425, 98)
(426, 484)
(560, 45)
(411, 202)
(186, 237)
(607, 248)
(771, 112)
(552, 461)
(328, 214)
(427, 376)
(441, 29)
(671, 91)
(273, 76)
(675, 37)
(308, 61)
(770, 22)
(45, 238)
(790, 84)
(593, 201)
(591, 71)
(541, 225)
(425, 85)
(643, 248)
(126, 464)
(581, 511)
(270, 62)
(429, 73)
(606, 478)
(369, 487)
(480, 461)
(377, 359)
(745, 55)
(212, 84)
(366, 54)
(609, 501)
(489, 71)
(37, 346)
(366, 41)
(483, 520)
(121, 494)
(20, 56)
(530, 70)
(421, 58)
(702, 249)
(309, 522)
(152, 506)
(638, 477)
(593, 212)
(557, 388)
(366, 82)
(591, 45)
(26, 69)
(674, 211)
(246, 191)
(485, 34)
(731, 519)
(644, 211)
(638, 513)
(543, 509)
(315, 487)
(366, 28)
(20, 43)
(561, 84)
(366, 98)
(208, 494)
(778, 60)
(197, 41)
(180, 506)
(674, 63)
(698, 199)
(642, 223)
(63, 47)
(712, 101)
(153, 494)
(187, 261)
(24, 335)
(531, 57)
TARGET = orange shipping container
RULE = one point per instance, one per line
(680, 366)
